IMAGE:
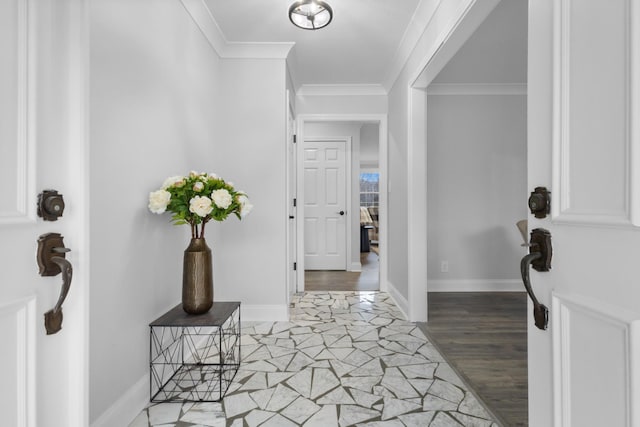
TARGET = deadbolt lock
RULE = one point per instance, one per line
(50, 205)
(540, 202)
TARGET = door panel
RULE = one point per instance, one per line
(324, 199)
(582, 120)
(42, 118)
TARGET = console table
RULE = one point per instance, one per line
(194, 358)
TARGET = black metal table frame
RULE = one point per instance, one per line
(194, 358)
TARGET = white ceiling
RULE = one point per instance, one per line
(361, 44)
(496, 53)
(357, 47)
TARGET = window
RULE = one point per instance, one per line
(369, 191)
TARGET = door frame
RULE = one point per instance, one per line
(291, 209)
(381, 120)
(452, 39)
(79, 136)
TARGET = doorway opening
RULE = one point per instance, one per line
(472, 98)
(364, 213)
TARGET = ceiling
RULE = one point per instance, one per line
(359, 46)
(496, 53)
(356, 48)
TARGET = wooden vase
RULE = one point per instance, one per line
(197, 278)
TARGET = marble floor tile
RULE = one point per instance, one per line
(343, 359)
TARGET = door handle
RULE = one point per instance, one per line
(51, 260)
(53, 317)
(539, 257)
(342, 213)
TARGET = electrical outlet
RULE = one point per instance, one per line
(444, 266)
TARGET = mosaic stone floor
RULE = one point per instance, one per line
(344, 359)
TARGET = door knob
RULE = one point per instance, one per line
(540, 259)
(341, 212)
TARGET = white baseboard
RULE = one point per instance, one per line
(264, 313)
(398, 298)
(127, 408)
(356, 267)
(475, 285)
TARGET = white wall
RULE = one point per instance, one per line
(476, 188)
(341, 104)
(369, 145)
(339, 129)
(445, 18)
(163, 103)
(250, 149)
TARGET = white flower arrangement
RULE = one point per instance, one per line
(197, 198)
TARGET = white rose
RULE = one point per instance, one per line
(172, 180)
(200, 205)
(221, 198)
(198, 186)
(158, 201)
(213, 176)
(245, 205)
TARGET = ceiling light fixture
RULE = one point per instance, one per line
(310, 14)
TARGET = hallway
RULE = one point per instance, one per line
(345, 358)
(366, 280)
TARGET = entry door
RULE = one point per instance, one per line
(325, 213)
(43, 377)
(584, 146)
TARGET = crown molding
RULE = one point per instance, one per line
(204, 20)
(477, 89)
(342, 90)
(420, 20)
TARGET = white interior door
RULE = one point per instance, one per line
(325, 205)
(41, 146)
(584, 146)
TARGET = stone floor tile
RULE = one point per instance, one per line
(365, 399)
(262, 397)
(351, 414)
(418, 419)
(238, 404)
(282, 397)
(344, 358)
(300, 410)
(301, 382)
(323, 381)
(279, 421)
(394, 407)
(257, 417)
(336, 397)
(327, 416)
(164, 413)
(446, 391)
(471, 406)
(142, 420)
(442, 419)
(469, 421)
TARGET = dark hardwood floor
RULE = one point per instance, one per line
(484, 336)
(366, 280)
